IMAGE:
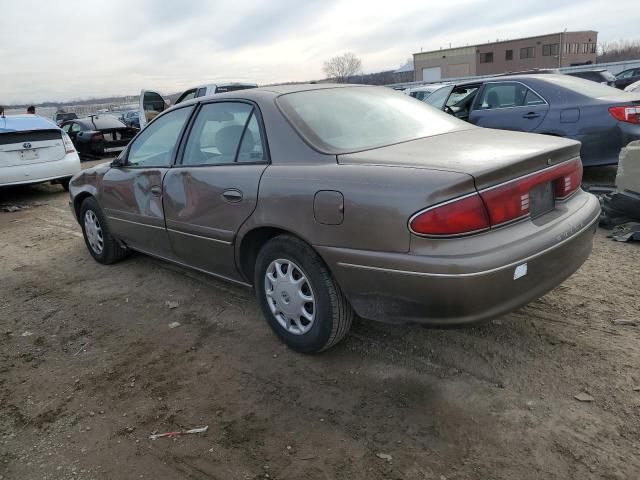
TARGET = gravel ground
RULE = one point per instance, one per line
(90, 367)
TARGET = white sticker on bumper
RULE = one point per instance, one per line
(520, 271)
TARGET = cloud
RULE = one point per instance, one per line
(82, 49)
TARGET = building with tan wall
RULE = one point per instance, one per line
(543, 51)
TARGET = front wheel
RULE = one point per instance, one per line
(101, 244)
(301, 301)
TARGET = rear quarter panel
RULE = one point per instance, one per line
(378, 202)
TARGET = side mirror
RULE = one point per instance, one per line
(118, 162)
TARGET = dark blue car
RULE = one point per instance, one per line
(603, 118)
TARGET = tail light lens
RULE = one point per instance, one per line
(465, 215)
(626, 114)
(68, 144)
(497, 205)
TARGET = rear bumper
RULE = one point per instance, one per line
(66, 167)
(420, 290)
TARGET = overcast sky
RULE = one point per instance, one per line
(63, 50)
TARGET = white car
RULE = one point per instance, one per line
(34, 150)
(152, 103)
(634, 87)
(424, 91)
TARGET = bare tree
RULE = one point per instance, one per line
(618, 51)
(341, 67)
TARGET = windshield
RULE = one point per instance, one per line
(340, 120)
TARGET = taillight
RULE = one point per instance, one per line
(68, 144)
(465, 215)
(626, 114)
(97, 137)
(570, 180)
(497, 205)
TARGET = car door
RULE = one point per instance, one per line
(214, 188)
(508, 106)
(131, 194)
(151, 104)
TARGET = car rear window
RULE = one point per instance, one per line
(582, 86)
(342, 120)
(233, 88)
(102, 122)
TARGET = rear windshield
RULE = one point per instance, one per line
(66, 116)
(233, 88)
(341, 120)
(582, 86)
(102, 122)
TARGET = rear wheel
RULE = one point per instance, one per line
(301, 301)
(65, 183)
(101, 244)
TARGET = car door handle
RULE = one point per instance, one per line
(156, 190)
(232, 195)
(530, 115)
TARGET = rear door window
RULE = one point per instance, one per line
(223, 133)
(507, 95)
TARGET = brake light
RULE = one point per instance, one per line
(68, 144)
(626, 114)
(465, 215)
(97, 137)
(497, 205)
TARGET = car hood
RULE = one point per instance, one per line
(490, 156)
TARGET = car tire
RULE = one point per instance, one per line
(302, 282)
(64, 183)
(102, 246)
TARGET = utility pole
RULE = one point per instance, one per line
(561, 48)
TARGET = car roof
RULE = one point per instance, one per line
(515, 78)
(431, 86)
(273, 90)
(25, 123)
(596, 70)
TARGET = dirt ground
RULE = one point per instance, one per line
(89, 368)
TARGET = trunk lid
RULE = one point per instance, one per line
(29, 147)
(490, 156)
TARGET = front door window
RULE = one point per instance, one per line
(156, 145)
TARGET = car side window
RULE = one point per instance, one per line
(223, 133)
(251, 149)
(201, 92)
(156, 144)
(532, 98)
(65, 128)
(188, 95)
(506, 95)
(75, 128)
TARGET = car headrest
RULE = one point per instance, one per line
(492, 99)
(227, 139)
